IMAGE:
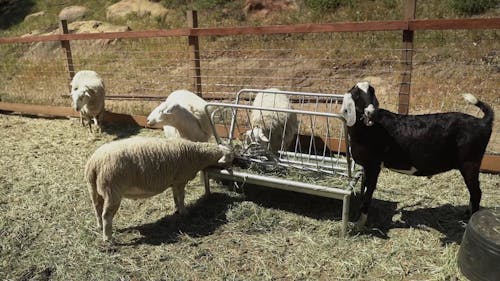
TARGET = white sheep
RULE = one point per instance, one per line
(141, 167)
(276, 129)
(185, 111)
(87, 93)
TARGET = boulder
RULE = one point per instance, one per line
(139, 8)
(73, 13)
(262, 8)
(34, 15)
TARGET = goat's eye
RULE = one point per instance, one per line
(74, 89)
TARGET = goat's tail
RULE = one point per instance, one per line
(489, 114)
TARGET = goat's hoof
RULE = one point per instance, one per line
(360, 224)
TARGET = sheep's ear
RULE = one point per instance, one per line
(170, 108)
(263, 137)
(349, 110)
(89, 92)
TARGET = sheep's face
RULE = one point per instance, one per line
(359, 104)
(80, 96)
(164, 114)
(228, 156)
(256, 135)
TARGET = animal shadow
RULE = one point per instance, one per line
(316, 207)
(203, 218)
(121, 131)
(448, 219)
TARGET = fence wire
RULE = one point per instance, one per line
(445, 65)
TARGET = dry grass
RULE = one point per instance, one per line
(47, 228)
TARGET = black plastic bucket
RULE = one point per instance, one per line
(479, 254)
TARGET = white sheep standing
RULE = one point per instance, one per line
(141, 167)
(87, 93)
(185, 111)
(276, 129)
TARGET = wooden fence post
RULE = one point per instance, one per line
(406, 59)
(67, 49)
(192, 21)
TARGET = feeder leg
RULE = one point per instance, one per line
(345, 214)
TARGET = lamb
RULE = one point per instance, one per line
(141, 167)
(270, 128)
(185, 111)
(87, 93)
(420, 145)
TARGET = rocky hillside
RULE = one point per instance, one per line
(18, 17)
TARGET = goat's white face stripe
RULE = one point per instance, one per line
(364, 86)
(349, 110)
(369, 110)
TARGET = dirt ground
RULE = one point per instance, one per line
(48, 232)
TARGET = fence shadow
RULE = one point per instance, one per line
(203, 218)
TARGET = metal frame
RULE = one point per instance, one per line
(335, 165)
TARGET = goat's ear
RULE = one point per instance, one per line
(371, 90)
(349, 110)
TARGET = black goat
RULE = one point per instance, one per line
(420, 145)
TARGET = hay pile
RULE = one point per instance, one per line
(47, 228)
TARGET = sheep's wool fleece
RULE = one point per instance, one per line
(148, 164)
(92, 80)
(274, 121)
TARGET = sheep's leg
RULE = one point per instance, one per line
(368, 185)
(470, 173)
(111, 205)
(178, 192)
(98, 203)
(206, 181)
(98, 125)
(81, 120)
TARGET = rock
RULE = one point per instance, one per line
(73, 13)
(262, 8)
(140, 8)
(94, 26)
(34, 15)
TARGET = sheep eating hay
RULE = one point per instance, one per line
(87, 93)
(270, 127)
(182, 114)
(141, 167)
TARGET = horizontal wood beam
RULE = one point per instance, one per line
(454, 24)
(490, 163)
(439, 24)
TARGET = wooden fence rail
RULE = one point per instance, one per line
(397, 25)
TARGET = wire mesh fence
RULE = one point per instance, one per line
(448, 64)
(141, 72)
